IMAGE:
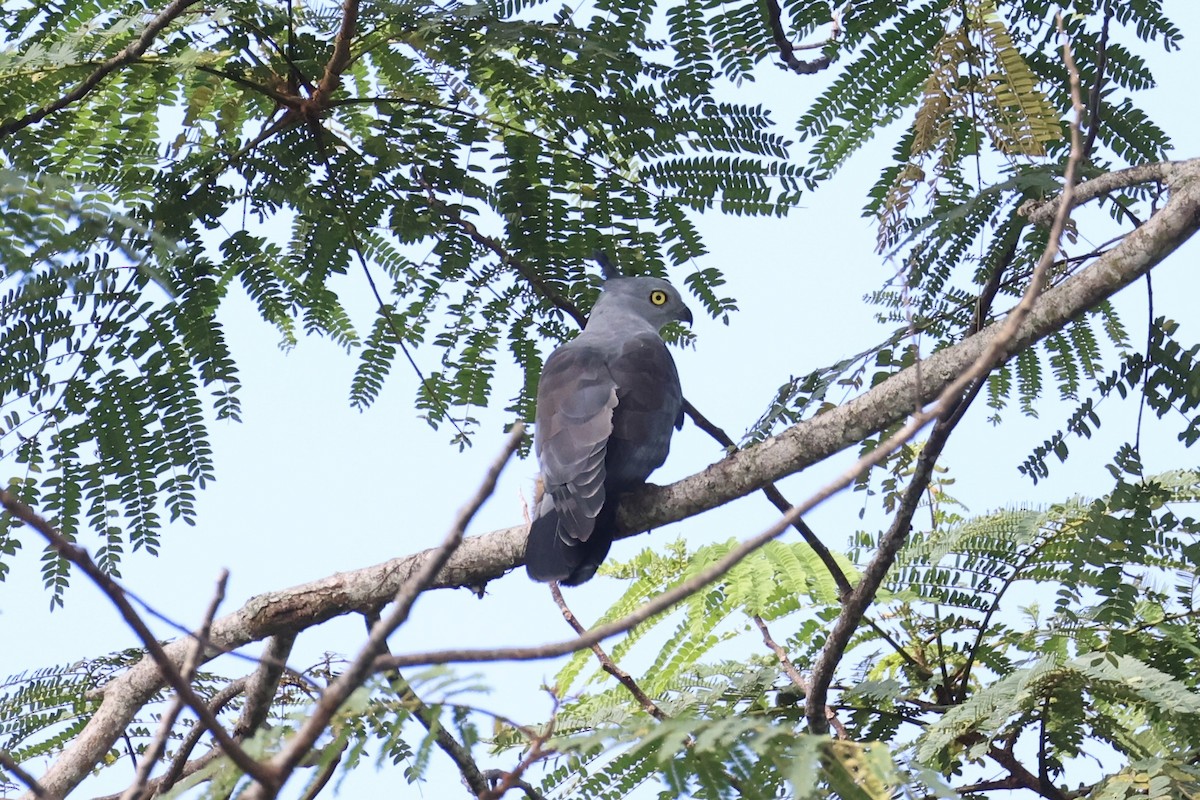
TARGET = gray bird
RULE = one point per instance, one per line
(607, 404)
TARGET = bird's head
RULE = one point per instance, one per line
(652, 299)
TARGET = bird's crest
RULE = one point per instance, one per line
(608, 267)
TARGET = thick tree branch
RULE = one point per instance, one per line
(1022, 777)
(339, 60)
(484, 558)
(1041, 212)
(130, 53)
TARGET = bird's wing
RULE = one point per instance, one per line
(649, 404)
(576, 399)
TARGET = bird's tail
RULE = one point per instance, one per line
(549, 558)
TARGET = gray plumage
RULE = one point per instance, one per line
(608, 402)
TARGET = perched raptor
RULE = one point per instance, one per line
(607, 405)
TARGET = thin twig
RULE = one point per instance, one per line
(556, 298)
(10, 764)
(1096, 92)
(80, 558)
(284, 763)
(328, 766)
(648, 705)
(801, 683)
(131, 52)
(430, 720)
(155, 750)
(181, 760)
(510, 779)
(780, 502)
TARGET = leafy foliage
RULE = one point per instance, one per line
(952, 673)
(119, 264)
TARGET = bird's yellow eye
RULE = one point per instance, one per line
(658, 297)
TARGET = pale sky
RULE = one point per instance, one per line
(307, 486)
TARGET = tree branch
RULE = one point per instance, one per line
(303, 740)
(800, 682)
(787, 49)
(138, 788)
(1042, 212)
(484, 558)
(130, 53)
(891, 542)
(10, 764)
(180, 763)
(262, 685)
(460, 755)
(1096, 92)
(624, 678)
(339, 60)
(164, 664)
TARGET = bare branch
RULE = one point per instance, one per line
(80, 558)
(1096, 92)
(609, 666)
(480, 238)
(510, 779)
(780, 502)
(484, 558)
(325, 773)
(130, 53)
(138, 788)
(180, 764)
(361, 668)
(429, 719)
(262, 685)
(10, 764)
(1023, 777)
(339, 60)
(800, 682)
(787, 50)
